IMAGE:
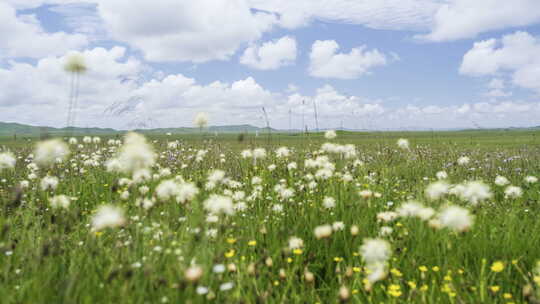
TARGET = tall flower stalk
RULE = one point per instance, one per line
(76, 66)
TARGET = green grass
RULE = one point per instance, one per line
(51, 256)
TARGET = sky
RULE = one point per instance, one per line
(360, 64)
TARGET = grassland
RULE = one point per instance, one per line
(180, 252)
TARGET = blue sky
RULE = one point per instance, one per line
(415, 64)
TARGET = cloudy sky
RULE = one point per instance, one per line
(365, 64)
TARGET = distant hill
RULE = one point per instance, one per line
(8, 128)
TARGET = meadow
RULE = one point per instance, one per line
(378, 217)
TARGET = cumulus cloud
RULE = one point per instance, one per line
(458, 19)
(196, 31)
(22, 36)
(39, 93)
(387, 14)
(516, 54)
(114, 86)
(326, 62)
(270, 55)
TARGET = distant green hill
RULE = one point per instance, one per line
(8, 129)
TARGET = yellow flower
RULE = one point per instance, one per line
(396, 272)
(289, 260)
(424, 287)
(231, 240)
(394, 290)
(230, 253)
(338, 259)
(297, 251)
(357, 269)
(447, 278)
(252, 243)
(411, 284)
(423, 268)
(495, 288)
(507, 295)
(497, 266)
(435, 268)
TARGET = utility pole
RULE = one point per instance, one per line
(290, 120)
(315, 110)
(303, 123)
(267, 122)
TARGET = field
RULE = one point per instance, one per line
(442, 217)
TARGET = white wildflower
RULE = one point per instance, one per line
(60, 201)
(513, 192)
(456, 218)
(7, 160)
(108, 216)
(330, 134)
(50, 151)
(403, 143)
(217, 204)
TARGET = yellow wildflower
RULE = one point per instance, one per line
(497, 266)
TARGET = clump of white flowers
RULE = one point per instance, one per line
(474, 192)
(283, 152)
(49, 183)
(441, 175)
(531, 179)
(135, 154)
(7, 160)
(415, 209)
(403, 143)
(295, 243)
(323, 231)
(108, 216)
(259, 153)
(330, 134)
(501, 181)
(50, 151)
(437, 189)
(375, 253)
(464, 160)
(455, 218)
(329, 202)
(60, 202)
(219, 204)
(513, 192)
(176, 189)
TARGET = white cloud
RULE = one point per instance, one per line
(460, 19)
(497, 88)
(39, 93)
(325, 62)
(173, 100)
(196, 31)
(270, 55)
(83, 18)
(23, 36)
(516, 54)
(29, 4)
(381, 14)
